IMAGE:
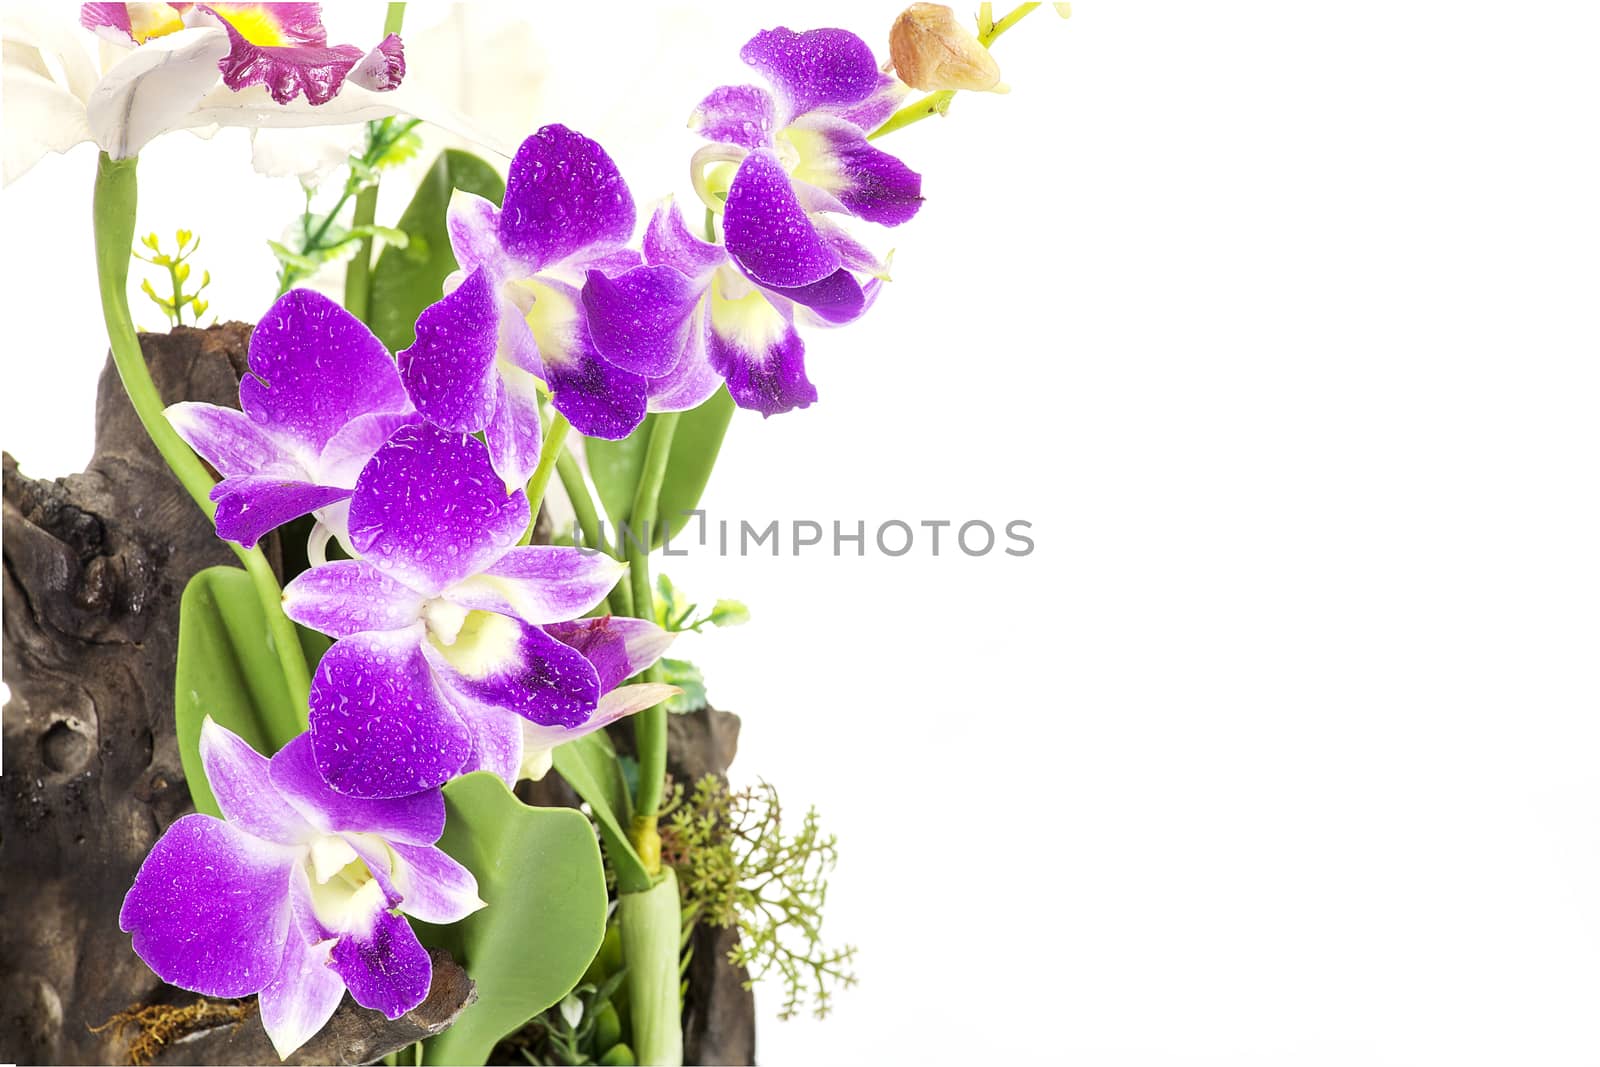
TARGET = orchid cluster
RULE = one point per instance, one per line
(458, 646)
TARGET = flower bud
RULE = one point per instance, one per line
(931, 50)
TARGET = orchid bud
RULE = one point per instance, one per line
(930, 49)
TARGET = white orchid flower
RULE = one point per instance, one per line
(165, 67)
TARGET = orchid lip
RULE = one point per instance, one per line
(700, 163)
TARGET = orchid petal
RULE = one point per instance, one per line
(693, 380)
(352, 448)
(513, 433)
(473, 223)
(757, 351)
(736, 114)
(349, 596)
(385, 968)
(540, 583)
(433, 887)
(619, 647)
(305, 992)
(816, 68)
(227, 439)
(209, 909)
(429, 509)
(313, 71)
(539, 741)
(836, 299)
(496, 742)
(500, 662)
(449, 369)
(875, 109)
(250, 508)
(313, 368)
(767, 229)
(599, 399)
(152, 88)
(382, 68)
(668, 243)
(239, 779)
(640, 320)
(380, 728)
(836, 157)
(413, 819)
(563, 195)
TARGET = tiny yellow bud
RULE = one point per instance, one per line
(183, 238)
(151, 241)
(205, 278)
(181, 272)
(148, 289)
(931, 50)
(163, 260)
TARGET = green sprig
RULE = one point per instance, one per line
(737, 868)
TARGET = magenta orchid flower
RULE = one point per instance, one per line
(321, 396)
(440, 623)
(811, 128)
(512, 316)
(297, 893)
(282, 47)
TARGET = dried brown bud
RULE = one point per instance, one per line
(931, 50)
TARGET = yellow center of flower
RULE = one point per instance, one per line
(255, 23)
(153, 20)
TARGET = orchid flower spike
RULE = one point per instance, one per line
(180, 66)
(297, 893)
(322, 394)
(440, 623)
(512, 317)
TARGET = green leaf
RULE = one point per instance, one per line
(686, 676)
(539, 870)
(728, 613)
(615, 465)
(227, 669)
(589, 765)
(404, 284)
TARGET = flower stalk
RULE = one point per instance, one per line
(358, 275)
(650, 924)
(116, 199)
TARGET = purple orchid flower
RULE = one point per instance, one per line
(321, 396)
(618, 648)
(807, 138)
(297, 893)
(512, 316)
(283, 47)
(693, 317)
(439, 621)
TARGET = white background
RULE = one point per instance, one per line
(1277, 322)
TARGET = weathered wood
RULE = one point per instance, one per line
(353, 1035)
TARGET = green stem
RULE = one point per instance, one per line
(358, 275)
(649, 726)
(551, 450)
(939, 103)
(582, 503)
(116, 202)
